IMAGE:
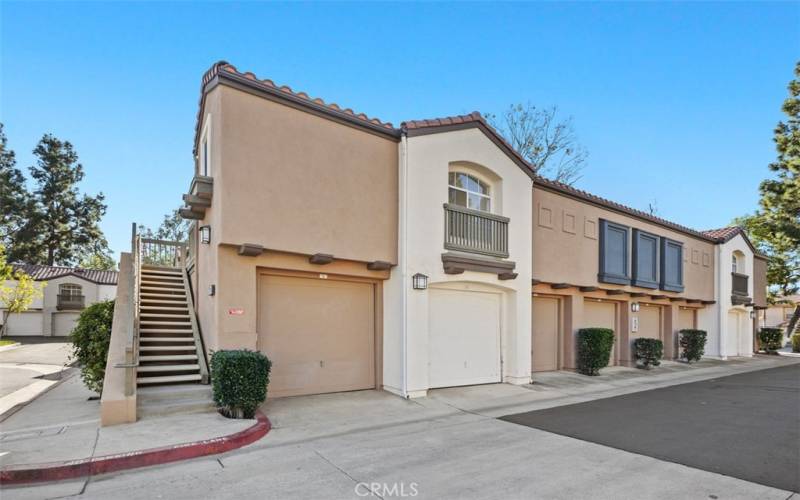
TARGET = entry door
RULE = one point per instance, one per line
(464, 338)
(546, 327)
(319, 334)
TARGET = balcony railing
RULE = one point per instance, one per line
(475, 232)
(739, 284)
(70, 302)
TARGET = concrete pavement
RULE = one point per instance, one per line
(448, 445)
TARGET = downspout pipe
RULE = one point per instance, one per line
(403, 255)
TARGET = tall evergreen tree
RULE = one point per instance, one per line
(15, 199)
(63, 225)
(775, 227)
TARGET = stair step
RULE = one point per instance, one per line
(187, 338)
(185, 321)
(174, 406)
(169, 314)
(168, 379)
(168, 368)
(170, 296)
(164, 271)
(166, 348)
(175, 284)
(166, 307)
(162, 330)
(167, 269)
(168, 357)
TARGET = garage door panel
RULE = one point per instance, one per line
(686, 319)
(649, 322)
(464, 338)
(318, 333)
(546, 327)
(27, 323)
(601, 315)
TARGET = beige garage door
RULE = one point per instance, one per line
(63, 323)
(649, 322)
(27, 323)
(319, 334)
(546, 325)
(601, 315)
(686, 319)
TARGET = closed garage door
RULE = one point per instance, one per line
(649, 322)
(601, 315)
(546, 326)
(63, 323)
(319, 334)
(27, 323)
(464, 342)
(686, 319)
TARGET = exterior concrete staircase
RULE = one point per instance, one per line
(170, 349)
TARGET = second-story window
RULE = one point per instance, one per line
(734, 264)
(466, 190)
(205, 170)
(69, 290)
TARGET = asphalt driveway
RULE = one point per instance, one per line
(745, 426)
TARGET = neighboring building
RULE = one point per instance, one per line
(741, 283)
(67, 291)
(779, 314)
(359, 255)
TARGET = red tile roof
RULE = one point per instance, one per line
(41, 272)
(724, 233)
(447, 120)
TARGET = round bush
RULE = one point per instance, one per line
(594, 349)
(648, 352)
(239, 380)
(770, 339)
(90, 339)
(693, 344)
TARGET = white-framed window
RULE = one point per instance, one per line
(734, 264)
(70, 290)
(205, 149)
(466, 190)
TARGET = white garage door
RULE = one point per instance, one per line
(464, 343)
(27, 323)
(63, 323)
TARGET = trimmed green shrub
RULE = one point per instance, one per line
(796, 342)
(239, 380)
(770, 339)
(693, 344)
(648, 352)
(594, 349)
(90, 339)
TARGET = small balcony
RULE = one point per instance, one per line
(70, 302)
(739, 289)
(473, 231)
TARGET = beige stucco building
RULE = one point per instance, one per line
(359, 255)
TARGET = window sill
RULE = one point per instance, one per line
(613, 279)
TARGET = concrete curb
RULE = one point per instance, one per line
(85, 467)
(10, 346)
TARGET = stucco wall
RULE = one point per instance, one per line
(566, 245)
(296, 182)
(425, 162)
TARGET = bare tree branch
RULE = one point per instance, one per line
(549, 144)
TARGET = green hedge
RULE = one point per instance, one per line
(239, 380)
(594, 349)
(648, 352)
(90, 339)
(693, 344)
(796, 342)
(770, 339)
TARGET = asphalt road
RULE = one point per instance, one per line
(745, 426)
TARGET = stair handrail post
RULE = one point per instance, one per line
(198, 341)
(132, 344)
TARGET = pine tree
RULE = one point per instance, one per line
(63, 225)
(15, 199)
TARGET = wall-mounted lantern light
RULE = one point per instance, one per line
(205, 234)
(752, 315)
(635, 307)
(212, 290)
(419, 281)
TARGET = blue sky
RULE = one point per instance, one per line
(676, 102)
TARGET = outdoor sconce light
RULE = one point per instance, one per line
(419, 281)
(752, 315)
(635, 307)
(205, 234)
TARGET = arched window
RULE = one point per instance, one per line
(466, 190)
(734, 263)
(70, 290)
(737, 262)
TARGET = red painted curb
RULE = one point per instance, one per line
(72, 469)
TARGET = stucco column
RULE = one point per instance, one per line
(573, 313)
(671, 325)
(624, 334)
